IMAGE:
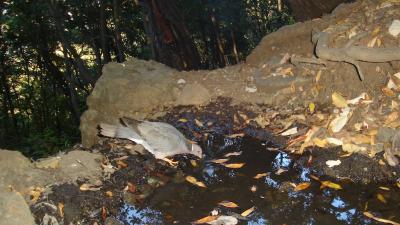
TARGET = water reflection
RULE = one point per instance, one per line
(274, 199)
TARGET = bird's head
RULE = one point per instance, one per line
(196, 150)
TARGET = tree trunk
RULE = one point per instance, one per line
(169, 39)
(103, 33)
(78, 62)
(118, 38)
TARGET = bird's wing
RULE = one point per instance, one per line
(165, 139)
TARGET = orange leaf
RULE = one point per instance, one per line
(194, 181)
(258, 176)
(109, 194)
(247, 212)
(219, 161)
(330, 184)
(61, 209)
(121, 164)
(228, 204)
(205, 219)
(234, 165)
(302, 186)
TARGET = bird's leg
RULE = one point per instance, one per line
(171, 162)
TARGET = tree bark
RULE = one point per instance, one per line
(168, 37)
(118, 38)
(103, 33)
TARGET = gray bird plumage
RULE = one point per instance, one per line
(160, 139)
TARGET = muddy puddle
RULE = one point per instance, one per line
(272, 196)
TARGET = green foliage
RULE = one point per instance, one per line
(49, 49)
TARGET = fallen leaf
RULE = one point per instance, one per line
(61, 209)
(291, 131)
(198, 123)
(332, 163)
(314, 177)
(35, 194)
(358, 99)
(388, 92)
(311, 107)
(340, 121)
(260, 175)
(322, 143)
(318, 77)
(109, 194)
(194, 181)
(247, 212)
(234, 165)
(384, 188)
(372, 43)
(280, 171)
(193, 163)
(205, 219)
(339, 101)
(392, 117)
(302, 186)
(233, 154)
(103, 213)
(121, 164)
(88, 187)
(334, 141)
(381, 198)
(131, 187)
(183, 120)
(219, 161)
(330, 184)
(236, 135)
(228, 204)
(253, 188)
(369, 215)
(351, 148)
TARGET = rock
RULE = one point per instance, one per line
(18, 172)
(193, 94)
(48, 163)
(13, 209)
(79, 164)
(385, 134)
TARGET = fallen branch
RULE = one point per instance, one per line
(353, 54)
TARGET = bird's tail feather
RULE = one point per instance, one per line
(119, 132)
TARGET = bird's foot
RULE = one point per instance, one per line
(171, 162)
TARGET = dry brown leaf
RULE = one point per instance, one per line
(198, 123)
(376, 31)
(369, 215)
(234, 165)
(61, 209)
(318, 77)
(235, 135)
(205, 219)
(247, 212)
(388, 92)
(228, 204)
(88, 187)
(330, 184)
(109, 194)
(338, 100)
(302, 186)
(219, 161)
(35, 194)
(104, 213)
(314, 177)
(121, 164)
(384, 188)
(391, 117)
(381, 198)
(233, 154)
(194, 181)
(193, 163)
(361, 139)
(260, 175)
